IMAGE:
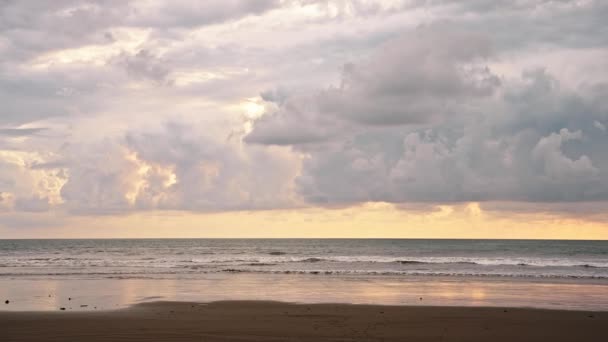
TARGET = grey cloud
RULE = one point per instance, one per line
(298, 120)
(144, 65)
(533, 23)
(32, 204)
(541, 148)
(424, 120)
(599, 126)
(49, 165)
(195, 13)
(20, 132)
(418, 78)
(26, 100)
(26, 24)
(557, 166)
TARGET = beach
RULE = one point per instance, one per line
(276, 321)
(303, 290)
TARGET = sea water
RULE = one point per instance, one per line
(108, 274)
(158, 258)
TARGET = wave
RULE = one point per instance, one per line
(278, 257)
(415, 262)
(409, 273)
(480, 261)
(448, 261)
(196, 271)
(312, 260)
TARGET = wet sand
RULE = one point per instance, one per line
(43, 294)
(275, 321)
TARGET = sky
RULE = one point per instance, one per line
(304, 118)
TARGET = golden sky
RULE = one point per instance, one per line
(370, 220)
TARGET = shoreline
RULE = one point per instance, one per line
(144, 305)
(280, 321)
(27, 294)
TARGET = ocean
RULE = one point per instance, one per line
(158, 258)
(108, 274)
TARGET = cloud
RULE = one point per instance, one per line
(32, 204)
(528, 23)
(20, 132)
(523, 143)
(144, 65)
(415, 103)
(413, 79)
(555, 164)
(420, 77)
(180, 14)
(176, 169)
(25, 189)
(25, 25)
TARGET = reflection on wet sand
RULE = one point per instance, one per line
(91, 294)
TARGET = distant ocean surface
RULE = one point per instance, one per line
(161, 258)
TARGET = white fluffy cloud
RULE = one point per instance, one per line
(176, 168)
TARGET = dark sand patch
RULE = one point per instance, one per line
(274, 321)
